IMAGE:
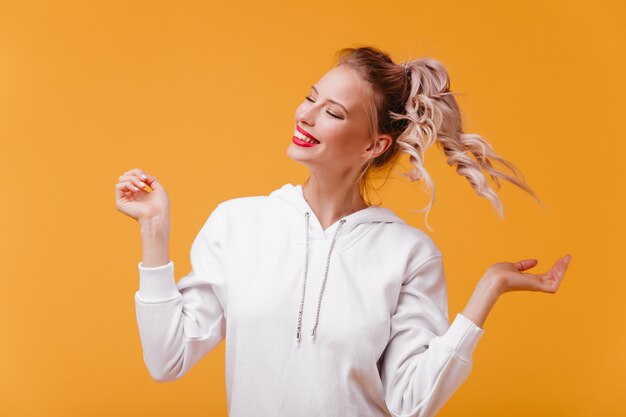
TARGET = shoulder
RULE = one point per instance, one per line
(420, 245)
(247, 213)
(237, 214)
(246, 205)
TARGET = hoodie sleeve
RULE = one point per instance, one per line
(180, 323)
(427, 359)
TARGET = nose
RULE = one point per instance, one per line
(307, 115)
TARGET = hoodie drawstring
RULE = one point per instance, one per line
(306, 267)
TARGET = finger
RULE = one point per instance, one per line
(150, 179)
(557, 269)
(525, 264)
(560, 266)
(130, 187)
(124, 186)
(122, 189)
(137, 172)
(566, 260)
(131, 174)
(142, 175)
(136, 181)
(146, 177)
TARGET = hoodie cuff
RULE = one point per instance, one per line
(463, 336)
(157, 283)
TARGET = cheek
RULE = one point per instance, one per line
(343, 139)
(334, 134)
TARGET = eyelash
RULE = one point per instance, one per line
(331, 114)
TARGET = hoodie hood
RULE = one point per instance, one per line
(293, 195)
(312, 229)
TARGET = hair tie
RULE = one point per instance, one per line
(407, 70)
(407, 78)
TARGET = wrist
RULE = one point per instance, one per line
(482, 301)
(155, 236)
(155, 225)
(491, 287)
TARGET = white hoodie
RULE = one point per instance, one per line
(371, 286)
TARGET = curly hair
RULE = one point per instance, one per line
(412, 102)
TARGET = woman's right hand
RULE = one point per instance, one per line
(133, 199)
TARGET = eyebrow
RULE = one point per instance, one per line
(333, 101)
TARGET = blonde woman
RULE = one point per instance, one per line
(329, 305)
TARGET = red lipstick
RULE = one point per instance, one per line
(302, 143)
(305, 133)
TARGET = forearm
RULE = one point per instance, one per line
(155, 239)
(482, 301)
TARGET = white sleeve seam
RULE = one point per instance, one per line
(423, 262)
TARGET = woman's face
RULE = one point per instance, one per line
(335, 114)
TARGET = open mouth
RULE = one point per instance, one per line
(302, 137)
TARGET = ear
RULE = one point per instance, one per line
(381, 144)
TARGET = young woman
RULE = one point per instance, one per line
(330, 306)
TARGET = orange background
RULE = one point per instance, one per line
(203, 96)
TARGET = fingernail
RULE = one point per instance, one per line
(143, 177)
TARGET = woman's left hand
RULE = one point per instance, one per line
(508, 276)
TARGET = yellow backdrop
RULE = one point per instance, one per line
(203, 95)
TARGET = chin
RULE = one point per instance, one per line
(299, 154)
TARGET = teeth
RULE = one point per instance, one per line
(303, 137)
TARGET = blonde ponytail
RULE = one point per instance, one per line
(413, 103)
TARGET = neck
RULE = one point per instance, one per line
(331, 200)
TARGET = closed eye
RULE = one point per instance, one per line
(330, 113)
